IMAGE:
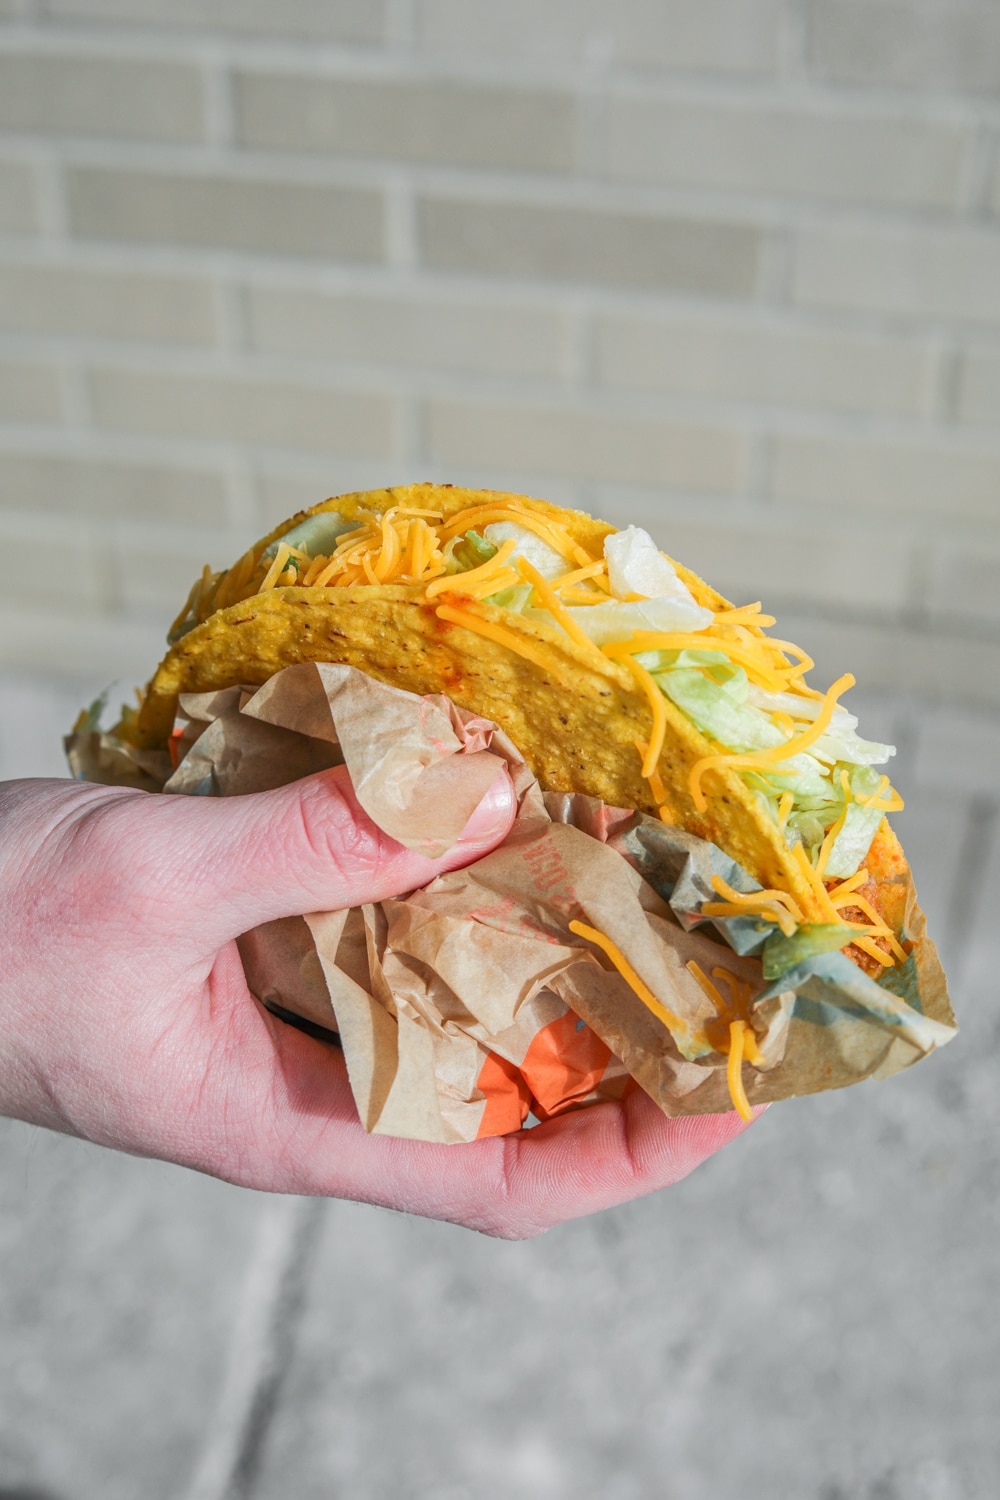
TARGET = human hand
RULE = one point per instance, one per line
(125, 1017)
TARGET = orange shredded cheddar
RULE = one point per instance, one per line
(782, 898)
(658, 707)
(595, 571)
(577, 597)
(826, 848)
(766, 910)
(824, 910)
(758, 668)
(776, 754)
(505, 579)
(744, 614)
(840, 893)
(734, 1070)
(868, 945)
(459, 583)
(698, 973)
(548, 598)
(740, 1031)
(549, 531)
(654, 778)
(535, 651)
(277, 567)
(625, 969)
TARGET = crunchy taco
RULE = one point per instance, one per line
(615, 670)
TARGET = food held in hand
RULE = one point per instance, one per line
(701, 893)
(615, 670)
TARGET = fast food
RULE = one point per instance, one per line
(616, 671)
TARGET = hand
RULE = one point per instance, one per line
(125, 1017)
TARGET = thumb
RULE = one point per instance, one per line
(228, 864)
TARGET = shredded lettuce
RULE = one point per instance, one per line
(717, 712)
(717, 696)
(845, 745)
(545, 559)
(850, 847)
(517, 598)
(616, 621)
(718, 666)
(317, 535)
(471, 552)
(781, 953)
(636, 566)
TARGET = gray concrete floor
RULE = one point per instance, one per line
(811, 1315)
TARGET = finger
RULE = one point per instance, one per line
(596, 1158)
(311, 1141)
(210, 869)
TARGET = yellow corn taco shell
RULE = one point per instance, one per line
(583, 717)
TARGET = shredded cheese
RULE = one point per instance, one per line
(840, 893)
(767, 911)
(746, 614)
(460, 583)
(596, 572)
(734, 1070)
(625, 969)
(741, 1036)
(658, 708)
(771, 905)
(758, 666)
(824, 911)
(414, 546)
(534, 651)
(777, 753)
(549, 600)
(740, 897)
(654, 778)
(277, 567)
(826, 848)
(505, 579)
(549, 530)
(868, 945)
(695, 969)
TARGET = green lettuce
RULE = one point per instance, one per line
(781, 953)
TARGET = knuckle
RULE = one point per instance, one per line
(340, 836)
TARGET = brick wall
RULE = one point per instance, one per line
(727, 267)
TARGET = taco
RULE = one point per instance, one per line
(616, 671)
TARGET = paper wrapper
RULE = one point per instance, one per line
(466, 1005)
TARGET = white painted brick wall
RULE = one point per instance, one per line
(728, 267)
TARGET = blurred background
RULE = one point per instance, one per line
(729, 269)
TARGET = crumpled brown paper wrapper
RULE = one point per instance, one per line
(469, 1003)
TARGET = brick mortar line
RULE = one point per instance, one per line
(428, 286)
(488, 184)
(129, 532)
(252, 368)
(374, 59)
(424, 287)
(740, 513)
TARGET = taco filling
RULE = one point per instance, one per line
(615, 670)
